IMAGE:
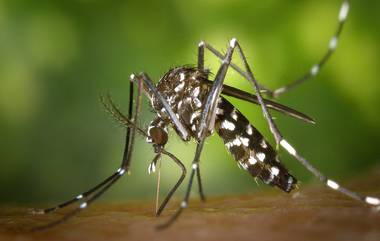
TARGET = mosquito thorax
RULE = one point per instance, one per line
(185, 90)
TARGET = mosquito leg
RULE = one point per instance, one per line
(185, 201)
(183, 205)
(249, 76)
(92, 190)
(77, 198)
(374, 201)
(208, 113)
(310, 74)
(201, 55)
(105, 185)
(200, 186)
(279, 139)
(315, 69)
(201, 47)
(152, 88)
(272, 126)
(82, 206)
(174, 189)
(204, 45)
(131, 132)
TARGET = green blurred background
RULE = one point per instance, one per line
(56, 57)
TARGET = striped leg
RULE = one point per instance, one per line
(107, 183)
(344, 9)
(374, 201)
(81, 196)
(315, 69)
(82, 206)
(107, 180)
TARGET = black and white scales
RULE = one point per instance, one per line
(185, 90)
(187, 101)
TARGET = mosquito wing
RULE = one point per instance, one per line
(234, 92)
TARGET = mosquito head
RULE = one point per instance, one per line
(158, 136)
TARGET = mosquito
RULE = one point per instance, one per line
(187, 101)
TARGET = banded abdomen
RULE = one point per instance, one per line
(249, 147)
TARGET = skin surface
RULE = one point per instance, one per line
(311, 213)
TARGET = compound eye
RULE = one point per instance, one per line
(159, 136)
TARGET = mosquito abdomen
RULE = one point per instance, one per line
(249, 147)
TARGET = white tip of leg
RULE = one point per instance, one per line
(121, 171)
(314, 70)
(201, 44)
(183, 204)
(344, 11)
(288, 147)
(83, 205)
(372, 201)
(132, 76)
(195, 166)
(79, 196)
(333, 43)
(332, 184)
(279, 91)
(233, 42)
